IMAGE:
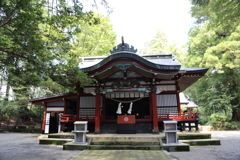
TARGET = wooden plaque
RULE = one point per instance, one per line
(126, 119)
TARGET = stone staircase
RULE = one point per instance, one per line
(56, 139)
(130, 142)
(126, 143)
(117, 143)
(197, 139)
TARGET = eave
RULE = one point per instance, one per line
(39, 101)
(131, 56)
(190, 76)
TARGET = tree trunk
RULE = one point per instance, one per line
(7, 92)
(1, 84)
(236, 114)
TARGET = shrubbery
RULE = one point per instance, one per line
(11, 112)
(221, 122)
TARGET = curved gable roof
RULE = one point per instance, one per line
(156, 62)
(159, 66)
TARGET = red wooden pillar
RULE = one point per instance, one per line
(103, 116)
(97, 113)
(44, 117)
(153, 102)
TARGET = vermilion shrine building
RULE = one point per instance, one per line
(132, 94)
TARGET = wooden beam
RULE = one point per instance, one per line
(153, 103)
(97, 111)
(44, 117)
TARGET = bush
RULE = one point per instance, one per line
(218, 121)
(231, 126)
(203, 119)
(25, 129)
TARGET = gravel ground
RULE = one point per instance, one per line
(22, 146)
(228, 150)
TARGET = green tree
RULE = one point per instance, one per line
(36, 46)
(214, 43)
(94, 40)
(36, 39)
(161, 45)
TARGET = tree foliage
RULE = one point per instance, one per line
(214, 43)
(160, 44)
(40, 46)
(31, 41)
(94, 40)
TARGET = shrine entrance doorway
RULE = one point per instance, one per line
(140, 108)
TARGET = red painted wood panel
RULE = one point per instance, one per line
(126, 119)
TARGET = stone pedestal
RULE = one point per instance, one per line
(80, 130)
(170, 129)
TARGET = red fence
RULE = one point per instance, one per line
(178, 116)
(73, 118)
(161, 117)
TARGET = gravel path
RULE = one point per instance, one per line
(23, 146)
(228, 150)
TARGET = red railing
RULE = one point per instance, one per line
(73, 118)
(161, 117)
(178, 116)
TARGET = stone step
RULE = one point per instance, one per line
(125, 142)
(201, 142)
(124, 147)
(54, 141)
(137, 139)
(74, 146)
(186, 136)
(176, 147)
(67, 135)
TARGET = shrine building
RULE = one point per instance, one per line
(132, 93)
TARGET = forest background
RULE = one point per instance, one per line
(41, 42)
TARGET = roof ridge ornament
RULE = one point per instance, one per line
(123, 47)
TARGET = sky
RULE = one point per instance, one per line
(138, 20)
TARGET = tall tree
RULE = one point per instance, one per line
(160, 44)
(36, 44)
(215, 43)
(94, 40)
(36, 39)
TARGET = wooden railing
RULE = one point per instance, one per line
(73, 118)
(161, 117)
(178, 116)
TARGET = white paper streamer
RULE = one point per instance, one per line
(130, 108)
(119, 111)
